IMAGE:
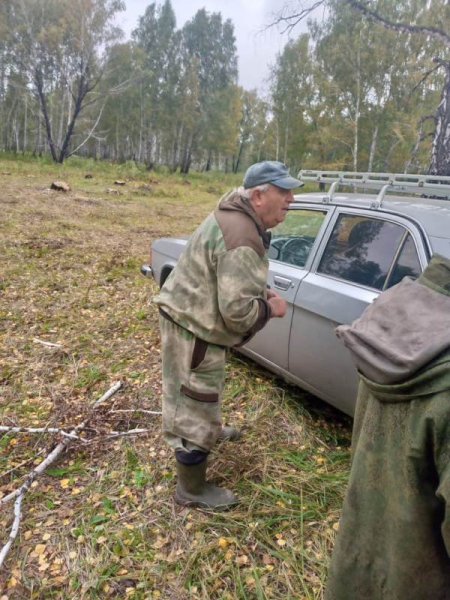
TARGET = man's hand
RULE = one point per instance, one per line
(277, 304)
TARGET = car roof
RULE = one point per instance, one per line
(432, 214)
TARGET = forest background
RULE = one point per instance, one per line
(350, 93)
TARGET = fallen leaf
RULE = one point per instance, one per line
(39, 549)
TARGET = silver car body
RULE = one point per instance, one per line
(302, 347)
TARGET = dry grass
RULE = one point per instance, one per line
(102, 523)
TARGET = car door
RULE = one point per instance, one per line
(292, 248)
(362, 253)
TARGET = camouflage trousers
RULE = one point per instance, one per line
(193, 378)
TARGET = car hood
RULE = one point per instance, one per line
(404, 330)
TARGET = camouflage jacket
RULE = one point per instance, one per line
(218, 288)
(394, 537)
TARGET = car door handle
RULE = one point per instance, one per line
(281, 283)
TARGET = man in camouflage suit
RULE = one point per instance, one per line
(394, 537)
(215, 298)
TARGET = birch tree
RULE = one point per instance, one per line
(58, 45)
(413, 19)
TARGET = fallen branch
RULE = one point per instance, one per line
(14, 529)
(48, 344)
(115, 434)
(54, 454)
(133, 410)
(5, 429)
(16, 467)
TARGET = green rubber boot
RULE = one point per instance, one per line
(193, 489)
(229, 434)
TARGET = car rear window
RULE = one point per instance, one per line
(361, 250)
(407, 264)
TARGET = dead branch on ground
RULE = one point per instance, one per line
(20, 492)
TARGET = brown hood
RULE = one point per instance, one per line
(233, 201)
(404, 329)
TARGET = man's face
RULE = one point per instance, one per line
(272, 206)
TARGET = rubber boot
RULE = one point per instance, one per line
(193, 489)
(229, 434)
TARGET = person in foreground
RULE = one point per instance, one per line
(394, 537)
(215, 298)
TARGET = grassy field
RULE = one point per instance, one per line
(101, 522)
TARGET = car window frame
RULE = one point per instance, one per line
(329, 211)
(417, 233)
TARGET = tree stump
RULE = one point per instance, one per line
(60, 186)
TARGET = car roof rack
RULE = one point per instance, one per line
(425, 185)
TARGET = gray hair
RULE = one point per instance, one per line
(247, 193)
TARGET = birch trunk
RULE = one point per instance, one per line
(373, 148)
(25, 125)
(357, 112)
(286, 134)
(278, 142)
(440, 154)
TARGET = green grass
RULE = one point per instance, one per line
(101, 523)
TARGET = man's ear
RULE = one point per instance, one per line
(256, 197)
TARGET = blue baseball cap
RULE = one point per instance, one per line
(270, 171)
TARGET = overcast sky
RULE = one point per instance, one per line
(257, 49)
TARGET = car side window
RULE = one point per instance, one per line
(293, 239)
(407, 264)
(361, 250)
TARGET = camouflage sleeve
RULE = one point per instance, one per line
(442, 459)
(241, 285)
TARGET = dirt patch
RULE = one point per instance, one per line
(39, 244)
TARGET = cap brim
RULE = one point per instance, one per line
(288, 183)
